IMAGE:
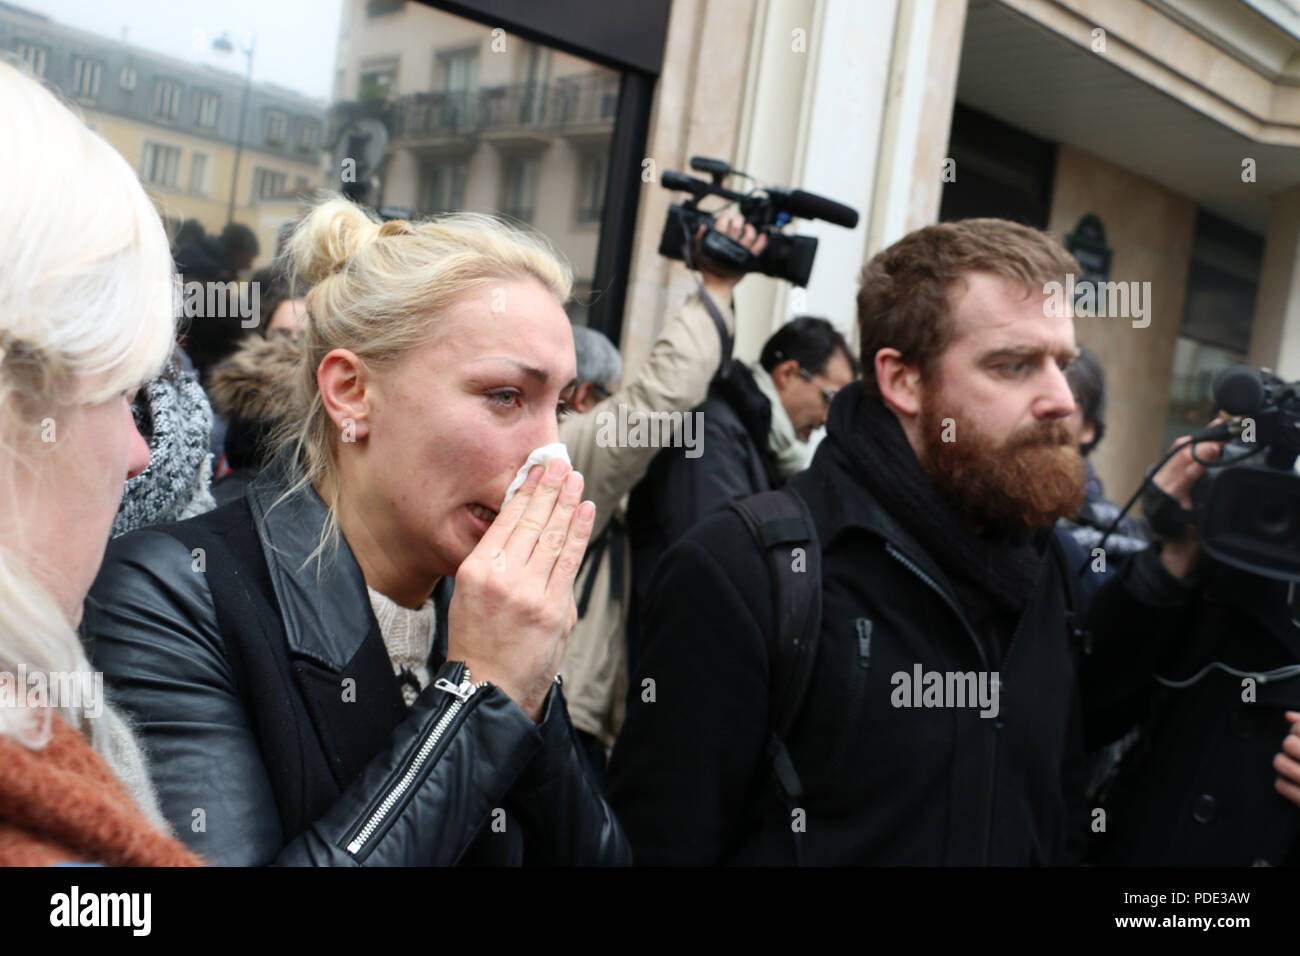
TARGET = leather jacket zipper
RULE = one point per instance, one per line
(462, 692)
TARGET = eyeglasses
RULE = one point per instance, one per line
(828, 394)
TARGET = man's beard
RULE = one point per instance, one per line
(1028, 482)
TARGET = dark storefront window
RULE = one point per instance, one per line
(1222, 284)
(1000, 171)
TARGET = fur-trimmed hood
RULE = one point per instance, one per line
(256, 383)
(254, 390)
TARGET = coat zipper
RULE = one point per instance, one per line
(462, 692)
(907, 562)
(993, 757)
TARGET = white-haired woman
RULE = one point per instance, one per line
(307, 692)
(85, 318)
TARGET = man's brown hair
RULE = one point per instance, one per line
(903, 299)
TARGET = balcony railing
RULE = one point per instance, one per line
(526, 106)
(584, 101)
(428, 114)
(590, 99)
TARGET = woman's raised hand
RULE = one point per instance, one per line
(512, 608)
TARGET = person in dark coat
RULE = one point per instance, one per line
(1088, 383)
(212, 264)
(308, 688)
(254, 391)
(941, 722)
(1204, 658)
(756, 424)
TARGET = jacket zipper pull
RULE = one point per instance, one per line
(864, 642)
(461, 691)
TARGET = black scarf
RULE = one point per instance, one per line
(993, 574)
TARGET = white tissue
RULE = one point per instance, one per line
(540, 456)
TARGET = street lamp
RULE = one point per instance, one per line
(228, 43)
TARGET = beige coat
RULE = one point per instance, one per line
(675, 378)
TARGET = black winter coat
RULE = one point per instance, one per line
(677, 492)
(275, 727)
(1198, 787)
(690, 777)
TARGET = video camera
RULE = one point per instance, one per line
(767, 209)
(1248, 511)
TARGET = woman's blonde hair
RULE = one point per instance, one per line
(379, 290)
(86, 311)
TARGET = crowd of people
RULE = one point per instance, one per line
(329, 634)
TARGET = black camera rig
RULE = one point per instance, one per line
(1246, 507)
(768, 209)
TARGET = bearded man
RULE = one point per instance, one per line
(939, 725)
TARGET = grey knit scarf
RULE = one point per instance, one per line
(174, 416)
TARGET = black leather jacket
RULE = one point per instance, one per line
(275, 728)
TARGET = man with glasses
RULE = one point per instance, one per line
(756, 424)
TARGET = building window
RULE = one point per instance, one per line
(167, 99)
(206, 113)
(459, 70)
(300, 184)
(85, 78)
(199, 174)
(593, 173)
(1218, 310)
(276, 124)
(269, 183)
(378, 80)
(160, 165)
(608, 104)
(32, 58)
(128, 78)
(308, 135)
(444, 188)
(1005, 172)
(519, 188)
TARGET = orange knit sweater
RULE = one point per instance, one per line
(62, 804)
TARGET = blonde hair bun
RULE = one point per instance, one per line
(380, 289)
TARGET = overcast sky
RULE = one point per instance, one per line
(296, 39)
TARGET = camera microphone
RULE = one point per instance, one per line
(684, 183)
(804, 205)
(1238, 390)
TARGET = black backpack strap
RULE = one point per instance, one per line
(611, 540)
(724, 337)
(781, 525)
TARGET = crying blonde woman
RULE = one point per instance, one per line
(300, 669)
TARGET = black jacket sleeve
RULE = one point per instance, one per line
(419, 802)
(564, 815)
(692, 748)
(1134, 623)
